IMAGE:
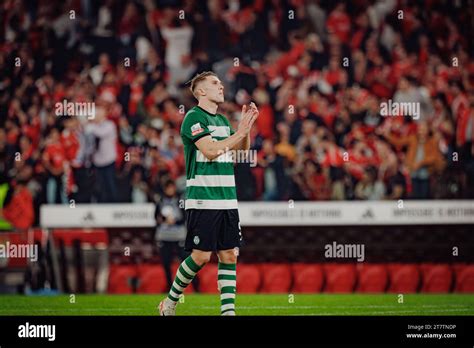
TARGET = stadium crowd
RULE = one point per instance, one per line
(318, 71)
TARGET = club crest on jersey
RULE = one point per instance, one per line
(196, 129)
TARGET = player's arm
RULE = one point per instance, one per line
(212, 149)
(244, 144)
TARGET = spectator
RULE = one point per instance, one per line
(266, 116)
(273, 177)
(422, 159)
(79, 149)
(283, 146)
(139, 187)
(54, 161)
(396, 184)
(178, 35)
(104, 157)
(313, 181)
(408, 93)
(465, 141)
(18, 207)
(370, 187)
(4, 191)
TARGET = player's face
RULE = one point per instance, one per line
(214, 89)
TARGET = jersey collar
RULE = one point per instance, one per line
(207, 112)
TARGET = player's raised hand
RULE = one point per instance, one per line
(254, 111)
(246, 120)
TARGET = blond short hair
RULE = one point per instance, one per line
(199, 78)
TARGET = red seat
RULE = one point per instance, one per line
(208, 279)
(458, 268)
(94, 236)
(372, 278)
(436, 278)
(340, 278)
(152, 279)
(465, 279)
(249, 278)
(120, 279)
(276, 278)
(308, 278)
(404, 278)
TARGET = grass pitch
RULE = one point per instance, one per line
(261, 304)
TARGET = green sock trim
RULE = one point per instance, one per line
(228, 310)
(172, 298)
(184, 274)
(228, 266)
(192, 265)
(228, 290)
(226, 277)
(228, 301)
(180, 283)
(176, 290)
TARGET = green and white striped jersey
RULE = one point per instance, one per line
(209, 184)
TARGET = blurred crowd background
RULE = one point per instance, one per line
(318, 71)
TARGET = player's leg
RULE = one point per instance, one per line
(183, 254)
(184, 276)
(187, 271)
(229, 242)
(227, 280)
(200, 239)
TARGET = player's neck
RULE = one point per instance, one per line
(208, 105)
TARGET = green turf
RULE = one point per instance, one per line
(263, 304)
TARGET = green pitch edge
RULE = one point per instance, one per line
(261, 304)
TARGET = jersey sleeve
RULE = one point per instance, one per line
(232, 130)
(193, 127)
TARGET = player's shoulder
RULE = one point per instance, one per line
(194, 119)
(194, 114)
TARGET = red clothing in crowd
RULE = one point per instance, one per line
(265, 121)
(334, 77)
(33, 131)
(458, 104)
(25, 155)
(340, 24)
(320, 188)
(19, 211)
(55, 155)
(465, 119)
(334, 157)
(70, 143)
(291, 57)
(136, 95)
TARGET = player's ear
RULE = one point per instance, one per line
(197, 93)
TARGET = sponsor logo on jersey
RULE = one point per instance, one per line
(196, 129)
